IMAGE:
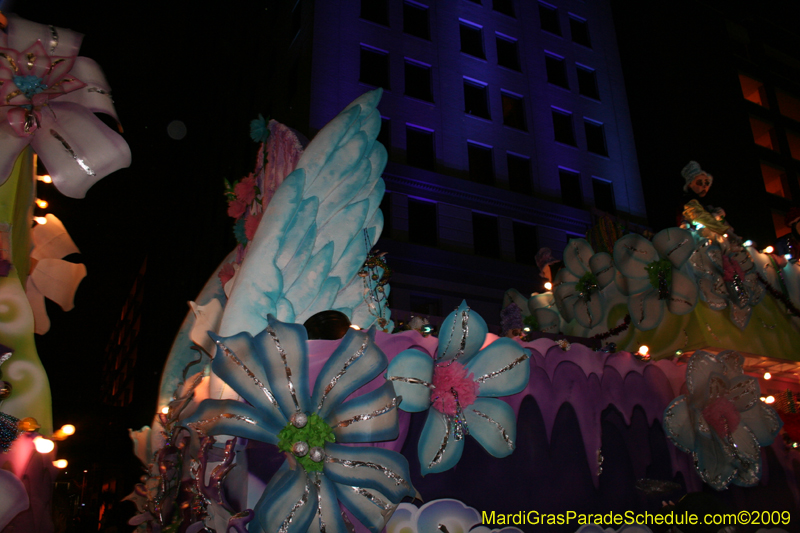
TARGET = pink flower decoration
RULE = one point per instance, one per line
(236, 208)
(451, 379)
(730, 268)
(48, 99)
(226, 273)
(251, 225)
(722, 416)
(246, 190)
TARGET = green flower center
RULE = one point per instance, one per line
(660, 273)
(586, 284)
(315, 434)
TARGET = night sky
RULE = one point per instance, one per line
(208, 69)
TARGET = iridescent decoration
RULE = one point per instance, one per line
(49, 99)
(721, 421)
(308, 495)
(458, 403)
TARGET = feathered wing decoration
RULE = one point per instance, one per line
(317, 230)
(51, 276)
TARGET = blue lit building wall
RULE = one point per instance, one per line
(451, 269)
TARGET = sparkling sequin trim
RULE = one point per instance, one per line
(71, 152)
(506, 368)
(227, 352)
(440, 453)
(677, 247)
(341, 373)
(54, 64)
(53, 39)
(286, 367)
(11, 62)
(413, 381)
(497, 424)
(12, 94)
(386, 506)
(31, 60)
(287, 522)
(317, 484)
(198, 426)
(669, 414)
(748, 387)
(388, 472)
(369, 416)
(464, 333)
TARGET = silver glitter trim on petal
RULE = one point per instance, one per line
(341, 373)
(197, 426)
(71, 152)
(464, 333)
(388, 472)
(440, 454)
(369, 416)
(53, 39)
(227, 352)
(677, 247)
(742, 388)
(386, 506)
(286, 367)
(500, 428)
(287, 522)
(669, 414)
(318, 483)
(412, 381)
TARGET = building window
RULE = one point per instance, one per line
(788, 105)
(587, 82)
(775, 180)
(580, 31)
(374, 67)
(475, 99)
(375, 11)
(485, 235)
(506, 7)
(556, 70)
(415, 20)
(595, 137)
(764, 134)
(525, 243)
(422, 227)
(385, 135)
(548, 17)
(753, 90)
(472, 39)
(519, 174)
(419, 148)
(481, 164)
(562, 127)
(386, 209)
(513, 111)
(571, 193)
(507, 52)
(604, 195)
(794, 144)
(418, 80)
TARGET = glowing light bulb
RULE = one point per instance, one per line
(40, 220)
(68, 429)
(548, 286)
(762, 399)
(767, 375)
(748, 243)
(45, 178)
(355, 327)
(769, 250)
(165, 410)
(43, 445)
(526, 329)
(41, 203)
(788, 257)
(769, 399)
(643, 349)
(725, 235)
(61, 463)
(700, 226)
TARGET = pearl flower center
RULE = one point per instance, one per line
(304, 437)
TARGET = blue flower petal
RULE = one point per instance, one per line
(284, 351)
(239, 364)
(763, 421)
(290, 503)
(501, 369)
(461, 335)
(493, 424)
(329, 513)
(698, 371)
(356, 362)
(682, 294)
(713, 464)
(438, 449)
(369, 506)
(371, 417)
(679, 425)
(419, 367)
(231, 417)
(372, 468)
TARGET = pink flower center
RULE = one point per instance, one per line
(453, 383)
(722, 416)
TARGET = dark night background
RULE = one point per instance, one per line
(211, 68)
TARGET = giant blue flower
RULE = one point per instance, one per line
(271, 372)
(459, 388)
(721, 421)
